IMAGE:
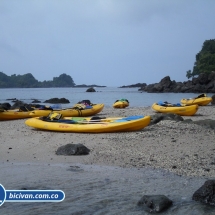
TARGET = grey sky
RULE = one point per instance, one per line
(104, 42)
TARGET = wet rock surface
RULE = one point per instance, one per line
(91, 89)
(206, 193)
(73, 149)
(155, 203)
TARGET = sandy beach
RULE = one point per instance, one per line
(184, 149)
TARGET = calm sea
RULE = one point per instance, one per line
(106, 95)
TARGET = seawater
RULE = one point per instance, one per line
(93, 189)
(106, 95)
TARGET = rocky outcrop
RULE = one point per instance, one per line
(91, 89)
(36, 101)
(203, 83)
(17, 104)
(155, 203)
(57, 101)
(5, 106)
(165, 116)
(206, 193)
(73, 149)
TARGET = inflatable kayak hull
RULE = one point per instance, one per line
(65, 124)
(181, 110)
(70, 111)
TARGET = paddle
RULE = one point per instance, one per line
(96, 121)
(78, 122)
(116, 119)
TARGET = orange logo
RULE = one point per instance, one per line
(64, 126)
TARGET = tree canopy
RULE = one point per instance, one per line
(205, 60)
(28, 81)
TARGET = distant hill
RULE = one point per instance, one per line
(28, 81)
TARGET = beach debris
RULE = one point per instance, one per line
(155, 203)
(206, 193)
(73, 149)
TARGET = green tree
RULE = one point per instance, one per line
(189, 74)
(205, 60)
(63, 81)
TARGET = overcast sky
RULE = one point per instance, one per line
(104, 42)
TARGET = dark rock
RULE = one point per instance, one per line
(207, 123)
(204, 83)
(154, 203)
(73, 149)
(165, 116)
(213, 100)
(12, 99)
(36, 101)
(57, 101)
(17, 104)
(206, 193)
(91, 89)
(5, 106)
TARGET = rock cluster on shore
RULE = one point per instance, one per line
(203, 83)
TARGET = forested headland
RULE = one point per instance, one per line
(205, 60)
(28, 81)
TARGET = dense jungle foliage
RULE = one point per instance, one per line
(205, 60)
(28, 81)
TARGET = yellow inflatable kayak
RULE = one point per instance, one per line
(20, 113)
(14, 114)
(66, 124)
(180, 110)
(122, 103)
(75, 111)
(201, 100)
